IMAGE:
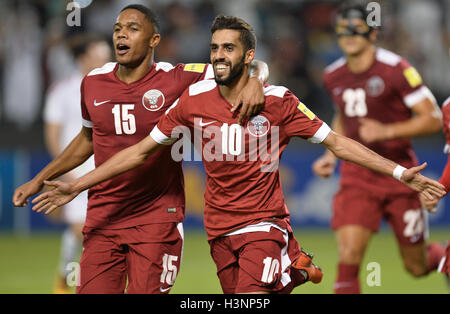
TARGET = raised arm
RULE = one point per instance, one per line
(127, 159)
(77, 152)
(350, 150)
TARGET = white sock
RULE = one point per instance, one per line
(70, 250)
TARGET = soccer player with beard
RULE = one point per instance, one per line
(245, 215)
(133, 229)
(381, 103)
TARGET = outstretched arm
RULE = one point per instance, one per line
(350, 150)
(251, 99)
(78, 151)
(127, 159)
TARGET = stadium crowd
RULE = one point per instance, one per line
(295, 38)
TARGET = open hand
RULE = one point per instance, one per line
(51, 200)
(429, 188)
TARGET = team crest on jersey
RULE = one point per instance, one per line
(153, 100)
(258, 126)
(375, 86)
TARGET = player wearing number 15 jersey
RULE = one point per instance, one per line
(381, 102)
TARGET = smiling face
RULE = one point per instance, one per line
(228, 57)
(134, 38)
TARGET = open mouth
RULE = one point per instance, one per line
(221, 68)
(122, 49)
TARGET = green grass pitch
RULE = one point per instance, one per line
(28, 264)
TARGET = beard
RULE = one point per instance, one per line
(235, 72)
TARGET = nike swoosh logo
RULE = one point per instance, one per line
(100, 103)
(207, 123)
(164, 290)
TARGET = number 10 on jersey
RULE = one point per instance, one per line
(124, 121)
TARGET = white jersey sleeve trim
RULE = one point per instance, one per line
(419, 95)
(447, 149)
(321, 134)
(446, 102)
(165, 66)
(160, 138)
(202, 87)
(336, 65)
(87, 123)
(209, 72)
(107, 68)
(273, 90)
(388, 57)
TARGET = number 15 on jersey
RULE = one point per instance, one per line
(124, 120)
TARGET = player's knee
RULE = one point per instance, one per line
(351, 255)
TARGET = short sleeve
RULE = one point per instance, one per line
(299, 121)
(173, 119)
(409, 84)
(86, 118)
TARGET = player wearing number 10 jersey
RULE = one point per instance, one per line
(381, 102)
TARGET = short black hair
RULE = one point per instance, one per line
(149, 15)
(349, 7)
(79, 44)
(247, 37)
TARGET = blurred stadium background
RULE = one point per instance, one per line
(295, 38)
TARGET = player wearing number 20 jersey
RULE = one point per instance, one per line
(121, 115)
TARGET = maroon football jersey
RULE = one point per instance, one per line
(241, 162)
(121, 115)
(385, 92)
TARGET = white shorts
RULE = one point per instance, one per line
(75, 211)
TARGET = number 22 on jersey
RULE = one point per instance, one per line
(355, 102)
(124, 120)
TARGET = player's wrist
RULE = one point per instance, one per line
(389, 132)
(398, 172)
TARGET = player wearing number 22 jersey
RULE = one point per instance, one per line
(243, 197)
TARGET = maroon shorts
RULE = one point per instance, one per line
(444, 265)
(147, 256)
(403, 212)
(255, 261)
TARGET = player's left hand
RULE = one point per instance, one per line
(429, 188)
(51, 200)
(371, 130)
(250, 100)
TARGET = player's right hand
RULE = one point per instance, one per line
(324, 166)
(53, 199)
(23, 192)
